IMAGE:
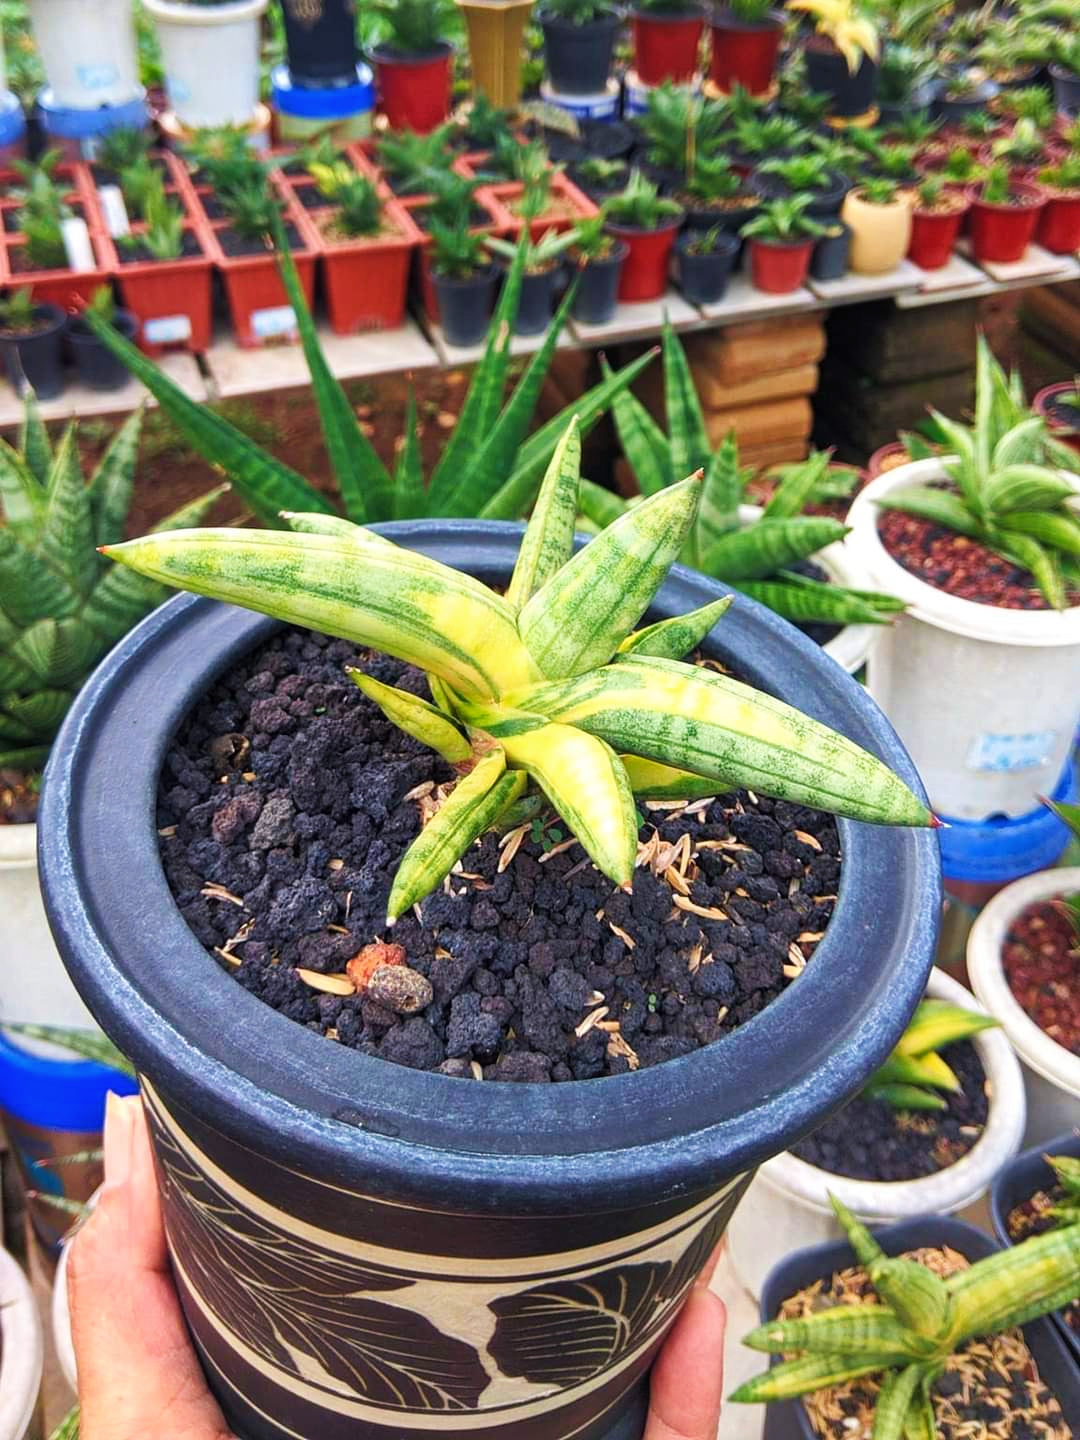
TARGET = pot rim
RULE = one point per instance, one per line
(18, 846)
(23, 1348)
(611, 18)
(993, 624)
(723, 18)
(387, 54)
(692, 10)
(1034, 1047)
(214, 1048)
(227, 12)
(629, 232)
(1028, 195)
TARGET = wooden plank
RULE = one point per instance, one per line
(744, 301)
(775, 452)
(715, 395)
(237, 371)
(741, 354)
(640, 321)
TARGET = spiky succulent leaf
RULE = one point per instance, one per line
(650, 780)
(67, 537)
(548, 541)
(687, 436)
(22, 494)
(643, 442)
(937, 1023)
(902, 1096)
(599, 506)
(416, 717)
(1059, 530)
(770, 545)
(674, 639)
(35, 447)
(802, 1377)
(797, 487)
(410, 498)
(842, 1330)
(818, 602)
(938, 506)
(113, 482)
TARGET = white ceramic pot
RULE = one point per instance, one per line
(21, 1350)
(211, 59)
(88, 50)
(61, 1321)
(1051, 1073)
(34, 985)
(787, 1204)
(986, 699)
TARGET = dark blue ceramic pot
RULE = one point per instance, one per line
(372, 1252)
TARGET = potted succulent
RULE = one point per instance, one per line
(963, 93)
(464, 281)
(928, 1134)
(1005, 214)
(805, 175)
(600, 178)
(1065, 72)
(981, 545)
(540, 197)
(647, 224)
(599, 258)
(541, 277)
(407, 160)
(667, 38)
(937, 216)
(579, 43)
(757, 138)
(32, 339)
(1059, 405)
(50, 211)
(704, 260)
(842, 53)
(898, 1310)
(678, 127)
(715, 195)
(97, 367)
(1059, 224)
(1024, 150)
(413, 64)
(456, 204)
(745, 44)
(879, 214)
(210, 57)
(906, 82)
(832, 252)
(782, 240)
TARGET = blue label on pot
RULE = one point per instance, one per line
(167, 329)
(1028, 751)
(275, 320)
(97, 77)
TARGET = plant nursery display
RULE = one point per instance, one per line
(647, 223)
(878, 214)
(781, 242)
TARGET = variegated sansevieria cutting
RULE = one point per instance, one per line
(924, 1319)
(548, 688)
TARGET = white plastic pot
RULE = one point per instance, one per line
(985, 699)
(34, 985)
(787, 1204)
(211, 59)
(1051, 1073)
(88, 50)
(60, 1318)
(22, 1350)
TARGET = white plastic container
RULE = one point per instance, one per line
(211, 59)
(986, 699)
(787, 1204)
(88, 50)
(1051, 1073)
(604, 105)
(22, 1350)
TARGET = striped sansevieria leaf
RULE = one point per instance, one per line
(550, 689)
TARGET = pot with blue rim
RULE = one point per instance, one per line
(369, 1251)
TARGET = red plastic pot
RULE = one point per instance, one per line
(414, 90)
(780, 269)
(69, 289)
(366, 280)
(645, 270)
(666, 46)
(1000, 234)
(1059, 224)
(744, 54)
(934, 236)
(498, 223)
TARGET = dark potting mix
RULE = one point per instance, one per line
(287, 800)
(871, 1140)
(1041, 960)
(1035, 1216)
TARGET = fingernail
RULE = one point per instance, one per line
(117, 1141)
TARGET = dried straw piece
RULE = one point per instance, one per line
(328, 984)
(705, 912)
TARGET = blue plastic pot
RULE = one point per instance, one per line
(452, 1219)
(999, 850)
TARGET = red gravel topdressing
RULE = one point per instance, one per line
(1042, 965)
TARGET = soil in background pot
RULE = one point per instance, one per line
(1035, 1216)
(1063, 413)
(18, 797)
(869, 1140)
(1041, 960)
(990, 1389)
(287, 800)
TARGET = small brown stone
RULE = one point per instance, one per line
(366, 961)
(400, 989)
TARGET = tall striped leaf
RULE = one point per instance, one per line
(817, 602)
(118, 601)
(34, 443)
(113, 482)
(675, 638)
(687, 436)
(410, 500)
(30, 589)
(22, 495)
(67, 533)
(1060, 529)
(721, 494)
(851, 1329)
(549, 537)
(193, 512)
(1027, 487)
(897, 1393)
(651, 780)
(600, 506)
(416, 717)
(768, 546)
(587, 609)
(796, 489)
(938, 506)
(58, 652)
(643, 442)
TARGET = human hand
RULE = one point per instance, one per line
(138, 1374)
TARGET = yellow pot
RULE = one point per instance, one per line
(496, 38)
(880, 234)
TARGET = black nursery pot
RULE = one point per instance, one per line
(537, 300)
(578, 57)
(37, 360)
(1066, 89)
(830, 258)
(369, 1252)
(1017, 1182)
(321, 41)
(703, 279)
(465, 305)
(788, 1420)
(98, 367)
(959, 108)
(827, 73)
(825, 204)
(598, 287)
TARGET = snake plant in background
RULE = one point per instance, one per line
(758, 556)
(62, 605)
(913, 1074)
(549, 685)
(1008, 488)
(922, 1321)
(490, 467)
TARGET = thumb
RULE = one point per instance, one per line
(138, 1374)
(688, 1377)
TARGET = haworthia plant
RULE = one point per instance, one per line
(549, 687)
(62, 605)
(915, 1071)
(758, 556)
(490, 465)
(922, 1321)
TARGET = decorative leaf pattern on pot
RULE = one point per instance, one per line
(302, 1307)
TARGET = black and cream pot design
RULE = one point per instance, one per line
(373, 1252)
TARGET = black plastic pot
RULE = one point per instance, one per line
(321, 41)
(702, 217)
(578, 57)
(465, 306)
(921, 100)
(788, 1420)
(827, 73)
(597, 192)
(1066, 89)
(1017, 1182)
(960, 107)
(598, 287)
(703, 279)
(825, 203)
(98, 367)
(536, 304)
(609, 139)
(830, 259)
(37, 360)
(402, 1224)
